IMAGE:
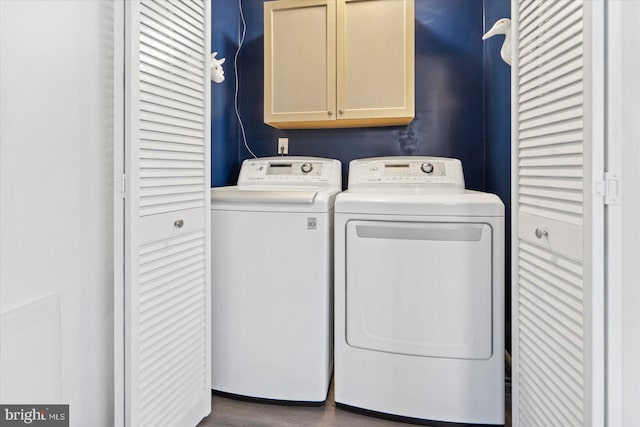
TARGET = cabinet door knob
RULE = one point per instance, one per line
(178, 223)
(330, 112)
(341, 111)
(540, 233)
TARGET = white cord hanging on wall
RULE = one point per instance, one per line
(235, 67)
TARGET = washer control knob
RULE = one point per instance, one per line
(427, 167)
(306, 167)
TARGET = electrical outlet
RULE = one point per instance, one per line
(283, 146)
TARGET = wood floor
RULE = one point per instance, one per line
(228, 412)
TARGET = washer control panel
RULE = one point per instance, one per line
(406, 170)
(289, 171)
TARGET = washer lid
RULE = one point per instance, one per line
(282, 184)
(273, 199)
(433, 203)
(234, 195)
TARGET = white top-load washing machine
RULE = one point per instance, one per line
(272, 279)
(419, 292)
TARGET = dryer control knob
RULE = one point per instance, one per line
(306, 167)
(427, 167)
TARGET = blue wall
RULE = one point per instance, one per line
(497, 120)
(462, 99)
(449, 102)
(224, 130)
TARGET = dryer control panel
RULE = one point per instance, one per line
(431, 171)
(290, 170)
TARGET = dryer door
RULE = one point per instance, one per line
(420, 289)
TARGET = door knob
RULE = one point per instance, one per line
(540, 233)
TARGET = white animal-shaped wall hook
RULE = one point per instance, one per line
(217, 72)
(502, 26)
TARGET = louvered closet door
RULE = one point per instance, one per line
(167, 290)
(557, 125)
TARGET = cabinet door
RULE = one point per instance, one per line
(299, 61)
(375, 78)
(167, 243)
(558, 259)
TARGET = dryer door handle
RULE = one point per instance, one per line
(457, 232)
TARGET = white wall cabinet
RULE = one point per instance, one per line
(338, 63)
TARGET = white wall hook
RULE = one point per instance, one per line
(217, 72)
(502, 26)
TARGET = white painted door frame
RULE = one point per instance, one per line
(615, 93)
(622, 277)
(118, 216)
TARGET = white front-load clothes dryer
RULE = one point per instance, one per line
(419, 293)
(272, 279)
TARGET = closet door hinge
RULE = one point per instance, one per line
(123, 185)
(609, 188)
